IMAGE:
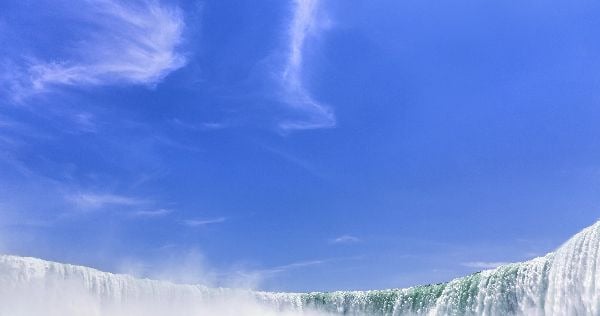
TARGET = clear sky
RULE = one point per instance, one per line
(304, 144)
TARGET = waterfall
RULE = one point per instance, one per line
(565, 282)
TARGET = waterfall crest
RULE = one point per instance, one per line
(565, 282)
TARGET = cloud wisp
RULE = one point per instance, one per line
(304, 25)
(98, 201)
(292, 266)
(120, 43)
(203, 222)
(152, 213)
(130, 206)
(344, 239)
(483, 264)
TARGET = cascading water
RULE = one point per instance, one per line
(565, 282)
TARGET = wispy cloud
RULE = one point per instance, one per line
(152, 213)
(204, 222)
(262, 275)
(294, 160)
(292, 266)
(274, 271)
(130, 42)
(304, 24)
(13, 135)
(204, 126)
(483, 264)
(85, 122)
(98, 201)
(345, 239)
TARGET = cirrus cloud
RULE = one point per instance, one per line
(116, 42)
(304, 24)
(345, 239)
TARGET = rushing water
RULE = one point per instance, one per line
(565, 282)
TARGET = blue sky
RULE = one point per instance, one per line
(302, 144)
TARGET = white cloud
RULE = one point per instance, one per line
(345, 239)
(300, 264)
(152, 213)
(263, 274)
(292, 266)
(483, 264)
(203, 126)
(304, 25)
(97, 201)
(204, 222)
(128, 42)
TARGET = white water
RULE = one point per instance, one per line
(30, 286)
(566, 282)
